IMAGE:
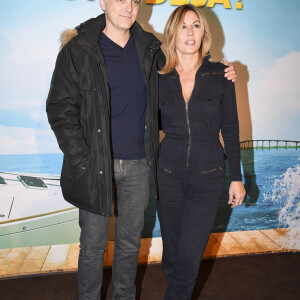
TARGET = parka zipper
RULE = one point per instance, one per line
(107, 165)
(189, 131)
(97, 54)
(151, 162)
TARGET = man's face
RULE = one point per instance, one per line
(120, 14)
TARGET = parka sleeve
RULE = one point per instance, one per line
(230, 131)
(63, 108)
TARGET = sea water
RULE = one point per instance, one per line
(271, 178)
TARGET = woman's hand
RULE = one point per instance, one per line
(237, 193)
(229, 71)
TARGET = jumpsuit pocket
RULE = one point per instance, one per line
(210, 99)
(221, 169)
(213, 100)
(209, 105)
(212, 176)
(166, 102)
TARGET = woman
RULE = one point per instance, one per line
(195, 102)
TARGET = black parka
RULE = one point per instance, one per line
(78, 108)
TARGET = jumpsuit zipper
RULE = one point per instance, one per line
(212, 73)
(189, 131)
(187, 119)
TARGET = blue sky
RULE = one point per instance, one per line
(263, 37)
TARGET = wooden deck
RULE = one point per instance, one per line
(39, 260)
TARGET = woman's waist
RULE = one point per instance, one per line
(203, 160)
(195, 139)
(197, 151)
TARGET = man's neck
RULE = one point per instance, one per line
(120, 37)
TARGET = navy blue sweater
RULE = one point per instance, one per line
(128, 96)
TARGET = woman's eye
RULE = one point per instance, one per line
(196, 26)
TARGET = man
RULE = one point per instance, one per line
(102, 107)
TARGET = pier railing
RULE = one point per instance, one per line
(268, 144)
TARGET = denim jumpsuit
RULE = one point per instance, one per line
(191, 168)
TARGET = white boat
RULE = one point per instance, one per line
(33, 212)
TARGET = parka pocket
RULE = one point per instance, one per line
(80, 167)
(83, 165)
(87, 106)
(79, 183)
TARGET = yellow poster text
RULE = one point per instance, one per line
(200, 3)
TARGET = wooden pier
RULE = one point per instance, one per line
(39, 260)
(268, 144)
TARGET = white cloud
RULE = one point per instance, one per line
(28, 53)
(274, 99)
(15, 140)
(282, 80)
(24, 85)
(36, 45)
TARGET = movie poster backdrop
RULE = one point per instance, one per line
(259, 37)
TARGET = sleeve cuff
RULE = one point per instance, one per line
(236, 178)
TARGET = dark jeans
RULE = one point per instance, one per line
(132, 192)
(187, 206)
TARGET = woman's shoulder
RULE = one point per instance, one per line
(217, 67)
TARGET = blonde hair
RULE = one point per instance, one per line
(171, 31)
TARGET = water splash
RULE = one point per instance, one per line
(286, 193)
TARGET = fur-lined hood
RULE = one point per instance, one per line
(87, 34)
(66, 36)
(90, 30)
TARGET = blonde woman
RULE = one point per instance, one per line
(195, 103)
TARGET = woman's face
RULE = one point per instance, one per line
(190, 35)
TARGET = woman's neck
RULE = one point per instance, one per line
(187, 63)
